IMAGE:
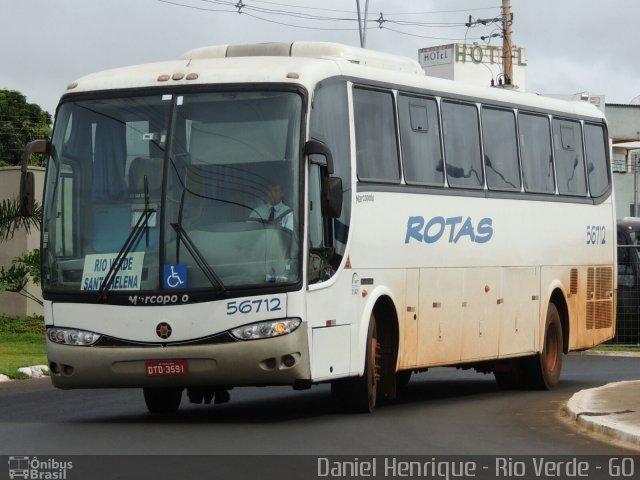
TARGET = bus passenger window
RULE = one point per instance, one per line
(376, 145)
(535, 148)
(567, 138)
(420, 140)
(596, 159)
(500, 149)
(461, 130)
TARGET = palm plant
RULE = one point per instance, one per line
(15, 278)
(12, 220)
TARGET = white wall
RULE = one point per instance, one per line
(13, 304)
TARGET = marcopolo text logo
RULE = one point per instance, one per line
(450, 229)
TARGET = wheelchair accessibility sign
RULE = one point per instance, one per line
(174, 275)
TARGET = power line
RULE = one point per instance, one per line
(304, 7)
(424, 36)
(242, 7)
(259, 17)
(196, 8)
(445, 11)
(300, 26)
(249, 9)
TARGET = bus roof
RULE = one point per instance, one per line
(306, 63)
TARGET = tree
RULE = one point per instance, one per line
(20, 122)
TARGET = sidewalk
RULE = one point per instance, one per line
(612, 410)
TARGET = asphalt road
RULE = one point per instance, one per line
(443, 411)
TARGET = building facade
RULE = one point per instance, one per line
(624, 130)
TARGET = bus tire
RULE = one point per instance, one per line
(544, 369)
(162, 400)
(359, 394)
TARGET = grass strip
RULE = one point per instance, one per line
(22, 344)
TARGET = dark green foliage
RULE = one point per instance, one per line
(15, 278)
(11, 219)
(34, 324)
(20, 123)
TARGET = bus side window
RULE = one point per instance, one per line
(567, 136)
(461, 129)
(596, 159)
(535, 149)
(500, 149)
(420, 140)
(377, 148)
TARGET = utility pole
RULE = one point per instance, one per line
(635, 188)
(362, 26)
(507, 55)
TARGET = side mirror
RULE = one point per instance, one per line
(331, 186)
(27, 183)
(332, 197)
(27, 194)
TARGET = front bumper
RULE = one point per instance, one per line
(271, 361)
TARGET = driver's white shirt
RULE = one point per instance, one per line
(263, 211)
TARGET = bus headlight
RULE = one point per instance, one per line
(273, 328)
(69, 336)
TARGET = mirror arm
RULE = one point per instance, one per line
(314, 147)
(36, 146)
(27, 181)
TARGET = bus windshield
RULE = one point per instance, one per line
(191, 191)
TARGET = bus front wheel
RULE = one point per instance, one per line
(545, 368)
(359, 394)
(162, 400)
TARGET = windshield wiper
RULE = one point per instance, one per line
(183, 236)
(130, 242)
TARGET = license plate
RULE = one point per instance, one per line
(165, 368)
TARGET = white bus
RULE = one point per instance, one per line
(416, 223)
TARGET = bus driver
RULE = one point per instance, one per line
(275, 211)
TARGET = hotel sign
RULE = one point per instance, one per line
(486, 54)
(430, 57)
(459, 53)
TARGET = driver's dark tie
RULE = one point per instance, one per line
(272, 214)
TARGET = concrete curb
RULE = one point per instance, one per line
(608, 354)
(36, 371)
(605, 410)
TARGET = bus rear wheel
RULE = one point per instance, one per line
(162, 400)
(544, 369)
(359, 394)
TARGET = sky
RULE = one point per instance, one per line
(571, 45)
